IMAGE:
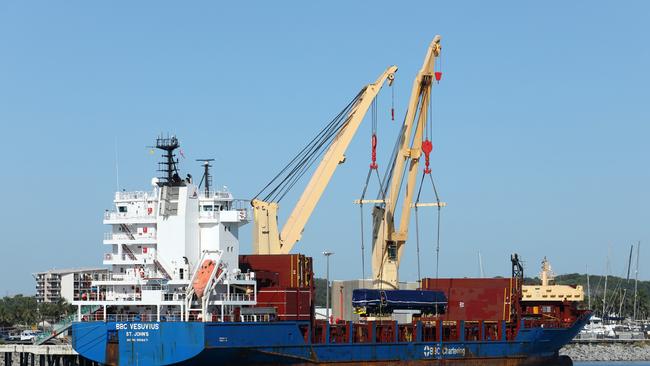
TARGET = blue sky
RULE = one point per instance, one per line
(540, 121)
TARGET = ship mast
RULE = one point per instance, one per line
(169, 166)
(207, 178)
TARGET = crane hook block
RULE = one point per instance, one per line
(438, 75)
(374, 165)
(427, 147)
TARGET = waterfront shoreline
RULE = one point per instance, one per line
(608, 351)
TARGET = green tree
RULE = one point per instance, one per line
(18, 310)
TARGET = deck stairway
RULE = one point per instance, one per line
(128, 232)
(128, 252)
(162, 269)
(64, 325)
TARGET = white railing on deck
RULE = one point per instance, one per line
(135, 195)
(241, 213)
(168, 317)
(216, 194)
(123, 258)
(121, 236)
(115, 277)
(237, 297)
(110, 317)
(209, 214)
(240, 204)
(114, 215)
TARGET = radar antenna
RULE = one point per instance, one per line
(207, 178)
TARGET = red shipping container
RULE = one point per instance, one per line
(290, 304)
(474, 299)
(279, 270)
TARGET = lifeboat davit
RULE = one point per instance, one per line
(203, 276)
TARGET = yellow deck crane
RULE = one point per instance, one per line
(335, 138)
(390, 238)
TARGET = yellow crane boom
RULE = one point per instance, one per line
(389, 239)
(267, 238)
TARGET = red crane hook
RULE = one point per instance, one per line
(374, 165)
(427, 148)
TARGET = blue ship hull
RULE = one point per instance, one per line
(282, 343)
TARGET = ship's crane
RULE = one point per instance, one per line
(390, 237)
(335, 138)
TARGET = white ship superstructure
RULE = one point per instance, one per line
(173, 252)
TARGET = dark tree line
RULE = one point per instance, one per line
(24, 310)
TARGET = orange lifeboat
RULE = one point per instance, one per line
(203, 277)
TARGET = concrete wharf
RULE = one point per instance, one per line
(41, 355)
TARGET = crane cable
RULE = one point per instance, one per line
(373, 167)
(427, 147)
(417, 229)
(282, 183)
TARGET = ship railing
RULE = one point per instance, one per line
(217, 194)
(122, 258)
(256, 318)
(246, 276)
(546, 323)
(148, 317)
(241, 204)
(102, 296)
(126, 237)
(243, 214)
(176, 296)
(122, 317)
(209, 214)
(135, 195)
(237, 297)
(113, 277)
(115, 215)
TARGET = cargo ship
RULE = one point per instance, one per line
(179, 291)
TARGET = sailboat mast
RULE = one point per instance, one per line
(627, 282)
(588, 288)
(629, 262)
(636, 278)
(605, 291)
